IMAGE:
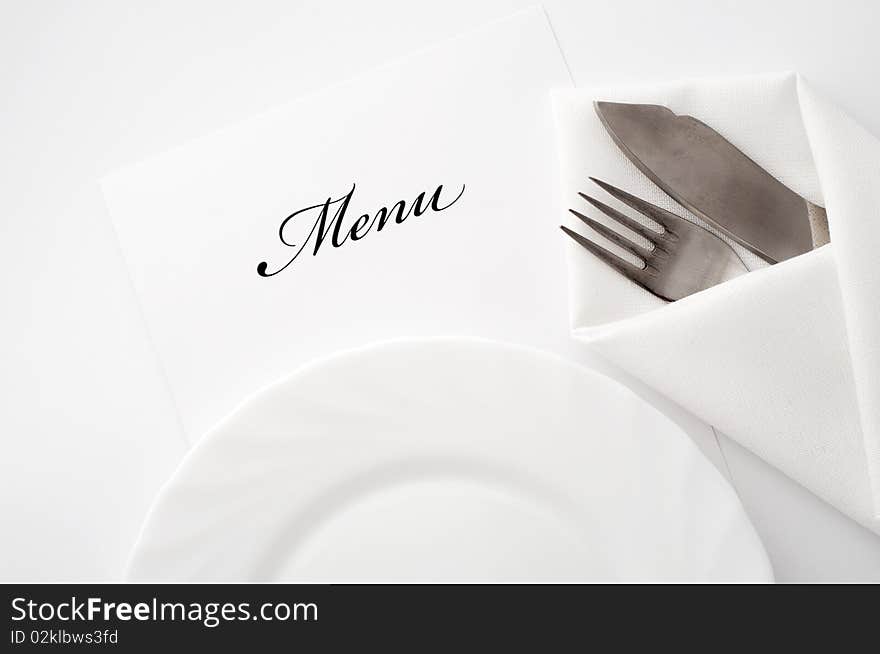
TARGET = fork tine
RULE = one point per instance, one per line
(613, 236)
(623, 219)
(622, 266)
(652, 211)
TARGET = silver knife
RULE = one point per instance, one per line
(703, 171)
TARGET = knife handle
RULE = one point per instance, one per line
(818, 225)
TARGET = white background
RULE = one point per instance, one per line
(87, 426)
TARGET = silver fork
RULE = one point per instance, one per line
(684, 257)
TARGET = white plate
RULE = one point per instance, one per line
(447, 460)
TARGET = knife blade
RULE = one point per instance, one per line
(704, 172)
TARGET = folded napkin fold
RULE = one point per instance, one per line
(786, 359)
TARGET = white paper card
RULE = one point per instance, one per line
(472, 115)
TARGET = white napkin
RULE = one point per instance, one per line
(785, 359)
